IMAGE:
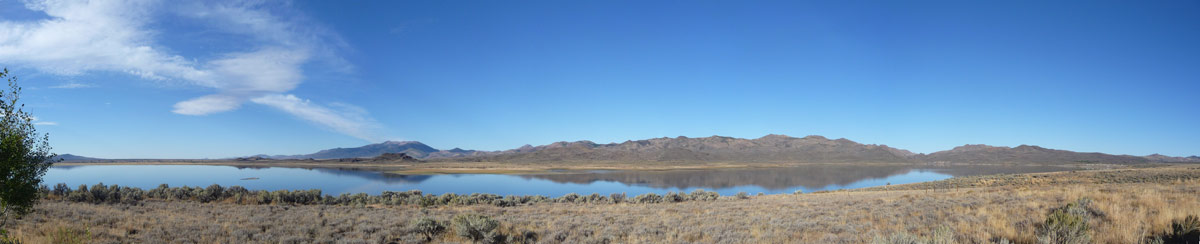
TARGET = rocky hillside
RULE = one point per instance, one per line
(770, 148)
(1168, 159)
(1024, 154)
(76, 158)
(410, 148)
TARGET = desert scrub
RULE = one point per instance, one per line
(69, 235)
(1185, 230)
(702, 195)
(477, 228)
(940, 235)
(114, 194)
(647, 198)
(1132, 212)
(742, 195)
(428, 227)
(1067, 224)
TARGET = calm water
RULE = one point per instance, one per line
(337, 181)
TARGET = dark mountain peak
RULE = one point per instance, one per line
(815, 137)
(67, 157)
(411, 148)
(1029, 147)
(394, 157)
(774, 137)
(974, 147)
(401, 143)
(716, 137)
(1169, 159)
(978, 153)
(770, 148)
(564, 144)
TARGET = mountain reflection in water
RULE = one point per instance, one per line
(338, 181)
(809, 176)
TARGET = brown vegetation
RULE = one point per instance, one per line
(1118, 206)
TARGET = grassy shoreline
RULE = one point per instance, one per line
(1136, 204)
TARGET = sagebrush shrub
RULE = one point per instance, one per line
(428, 227)
(478, 228)
(1067, 225)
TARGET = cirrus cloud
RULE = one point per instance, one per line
(120, 36)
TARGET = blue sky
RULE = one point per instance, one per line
(152, 79)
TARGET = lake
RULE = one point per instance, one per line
(338, 181)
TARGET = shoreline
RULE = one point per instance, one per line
(1136, 204)
(439, 168)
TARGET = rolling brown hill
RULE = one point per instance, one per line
(1024, 154)
(770, 148)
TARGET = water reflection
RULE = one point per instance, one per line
(338, 181)
(772, 178)
(808, 177)
(375, 175)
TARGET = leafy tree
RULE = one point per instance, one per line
(24, 154)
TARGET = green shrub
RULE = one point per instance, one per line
(702, 195)
(941, 235)
(1067, 224)
(212, 193)
(616, 197)
(113, 194)
(6, 239)
(743, 195)
(478, 228)
(429, 227)
(672, 197)
(569, 198)
(647, 198)
(526, 237)
(65, 235)
(1186, 230)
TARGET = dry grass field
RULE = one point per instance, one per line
(1123, 206)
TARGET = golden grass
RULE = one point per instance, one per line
(1136, 203)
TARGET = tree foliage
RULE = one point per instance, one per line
(24, 154)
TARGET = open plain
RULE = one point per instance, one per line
(1127, 205)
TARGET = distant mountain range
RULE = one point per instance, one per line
(411, 148)
(770, 148)
(75, 158)
(1025, 154)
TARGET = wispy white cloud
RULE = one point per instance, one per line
(38, 121)
(72, 85)
(116, 36)
(346, 119)
(208, 104)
